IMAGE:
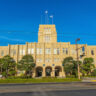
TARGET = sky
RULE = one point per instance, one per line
(20, 19)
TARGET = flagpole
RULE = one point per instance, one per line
(46, 17)
(51, 18)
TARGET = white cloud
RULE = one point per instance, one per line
(6, 38)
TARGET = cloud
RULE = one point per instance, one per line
(6, 38)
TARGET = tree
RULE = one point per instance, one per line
(87, 66)
(68, 65)
(8, 66)
(1, 65)
(93, 72)
(75, 67)
(26, 64)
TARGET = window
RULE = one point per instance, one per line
(13, 52)
(31, 51)
(47, 30)
(73, 51)
(92, 52)
(22, 52)
(2, 53)
(38, 60)
(65, 50)
(7, 52)
(47, 38)
(48, 60)
(39, 50)
(48, 51)
(56, 60)
(56, 51)
(83, 49)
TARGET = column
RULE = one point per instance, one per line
(53, 72)
(63, 73)
(43, 73)
(34, 73)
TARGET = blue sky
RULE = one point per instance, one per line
(20, 19)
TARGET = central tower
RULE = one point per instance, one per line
(47, 34)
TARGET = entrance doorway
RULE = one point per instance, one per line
(57, 71)
(39, 71)
(48, 71)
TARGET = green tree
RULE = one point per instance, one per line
(68, 65)
(26, 64)
(87, 66)
(1, 65)
(93, 72)
(75, 67)
(8, 66)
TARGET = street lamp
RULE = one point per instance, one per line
(78, 39)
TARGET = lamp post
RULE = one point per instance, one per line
(78, 39)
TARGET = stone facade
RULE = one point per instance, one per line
(47, 52)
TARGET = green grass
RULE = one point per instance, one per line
(38, 80)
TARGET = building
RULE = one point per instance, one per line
(47, 52)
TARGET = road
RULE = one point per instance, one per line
(51, 89)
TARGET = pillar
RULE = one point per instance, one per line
(53, 72)
(34, 73)
(62, 73)
(43, 73)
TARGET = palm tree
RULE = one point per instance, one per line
(26, 64)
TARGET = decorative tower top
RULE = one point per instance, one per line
(47, 34)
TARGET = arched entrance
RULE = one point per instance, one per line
(48, 71)
(58, 69)
(39, 71)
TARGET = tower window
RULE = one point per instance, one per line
(48, 51)
(47, 38)
(47, 30)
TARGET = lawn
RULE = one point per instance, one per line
(38, 80)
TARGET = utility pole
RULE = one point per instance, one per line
(78, 39)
